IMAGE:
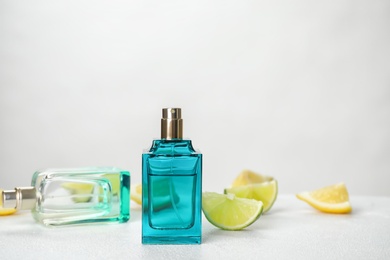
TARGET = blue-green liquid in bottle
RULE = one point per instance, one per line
(171, 193)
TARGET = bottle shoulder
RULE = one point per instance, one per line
(177, 146)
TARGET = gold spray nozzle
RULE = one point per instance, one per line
(171, 124)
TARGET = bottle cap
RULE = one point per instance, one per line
(171, 124)
(19, 198)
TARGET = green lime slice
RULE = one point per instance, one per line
(229, 212)
(265, 192)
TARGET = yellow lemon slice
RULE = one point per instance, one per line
(136, 193)
(248, 177)
(226, 211)
(163, 194)
(330, 199)
(5, 212)
(266, 192)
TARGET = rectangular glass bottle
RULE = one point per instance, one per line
(74, 196)
(171, 192)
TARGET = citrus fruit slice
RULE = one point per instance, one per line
(266, 192)
(248, 177)
(163, 194)
(229, 212)
(330, 199)
(136, 193)
(82, 192)
(4, 212)
(114, 179)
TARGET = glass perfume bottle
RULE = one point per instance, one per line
(74, 196)
(171, 186)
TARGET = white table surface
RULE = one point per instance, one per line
(291, 230)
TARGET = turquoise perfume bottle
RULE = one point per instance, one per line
(171, 186)
(74, 196)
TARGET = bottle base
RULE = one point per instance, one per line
(169, 240)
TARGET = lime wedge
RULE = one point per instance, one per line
(228, 212)
(265, 192)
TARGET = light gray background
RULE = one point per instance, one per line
(299, 90)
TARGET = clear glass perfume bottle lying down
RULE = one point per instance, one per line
(74, 196)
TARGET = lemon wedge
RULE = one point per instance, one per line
(248, 177)
(330, 199)
(226, 211)
(136, 193)
(163, 194)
